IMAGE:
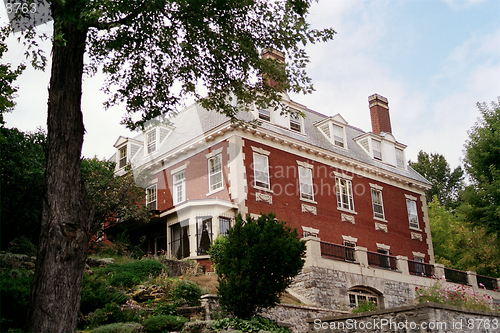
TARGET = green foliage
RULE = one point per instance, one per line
(164, 323)
(186, 292)
(255, 324)
(165, 309)
(22, 171)
(113, 197)
(446, 184)
(14, 292)
(96, 293)
(109, 314)
(22, 245)
(452, 294)
(365, 306)
(119, 328)
(129, 274)
(460, 245)
(256, 263)
(482, 163)
(7, 78)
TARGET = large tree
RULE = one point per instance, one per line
(255, 263)
(446, 184)
(153, 52)
(482, 163)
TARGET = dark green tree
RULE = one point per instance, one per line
(114, 198)
(482, 164)
(22, 175)
(7, 78)
(255, 263)
(446, 184)
(154, 53)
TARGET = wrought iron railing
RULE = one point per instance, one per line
(487, 282)
(453, 275)
(420, 268)
(381, 260)
(337, 251)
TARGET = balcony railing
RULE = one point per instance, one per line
(453, 275)
(381, 260)
(336, 251)
(486, 282)
(420, 268)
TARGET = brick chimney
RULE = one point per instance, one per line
(274, 55)
(379, 112)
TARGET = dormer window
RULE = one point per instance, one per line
(151, 137)
(265, 114)
(123, 157)
(377, 150)
(295, 123)
(400, 159)
(338, 135)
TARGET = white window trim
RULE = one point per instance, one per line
(349, 239)
(155, 196)
(155, 141)
(416, 214)
(210, 190)
(304, 181)
(384, 247)
(255, 171)
(120, 158)
(349, 190)
(381, 204)
(175, 185)
(179, 169)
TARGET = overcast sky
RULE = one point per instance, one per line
(432, 59)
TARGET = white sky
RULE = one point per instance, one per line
(433, 60)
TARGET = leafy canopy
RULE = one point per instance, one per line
(446, 184)
(482, 163)
(255, 263)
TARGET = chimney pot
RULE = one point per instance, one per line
(379, 112)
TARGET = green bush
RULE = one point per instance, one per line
(365, 306)
(119, 328)
(255, 324)
(186, 292)
(107, 315)
(165, 309)
(255, 263)
(22, 245)
(14, 292)
(96, 293)
(164, 323)
(129, 274)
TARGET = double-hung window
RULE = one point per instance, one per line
(295, 123)
(224, 225)
(123, 157)
(377, 150)
(306, 183)
(151, 141)
(400, 160)
(179, 193)
(151, 197)
(411, 206)
(265, 114)
(344, 194)
(261, 171)
(215, 172)
(378, 207)
(338, 135)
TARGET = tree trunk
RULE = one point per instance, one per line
(64, 238)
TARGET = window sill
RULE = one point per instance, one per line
(180, 202)
(215, 191)
(263, 189)
(379, 219)
(416, 229)
(347, 210)
(308, 201)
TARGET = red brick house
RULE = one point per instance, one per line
(318, 173)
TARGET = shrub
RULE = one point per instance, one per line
(96, 293)
(22, 245)
(164, 323)
(119, 328)
(255, 324)
(165, 309)
(107, 315)
(131, 273)
(457, 295)
(15, 293)
(186, 292)
(256, 263)
(365, 306)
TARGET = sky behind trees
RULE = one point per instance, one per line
(432, 59)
